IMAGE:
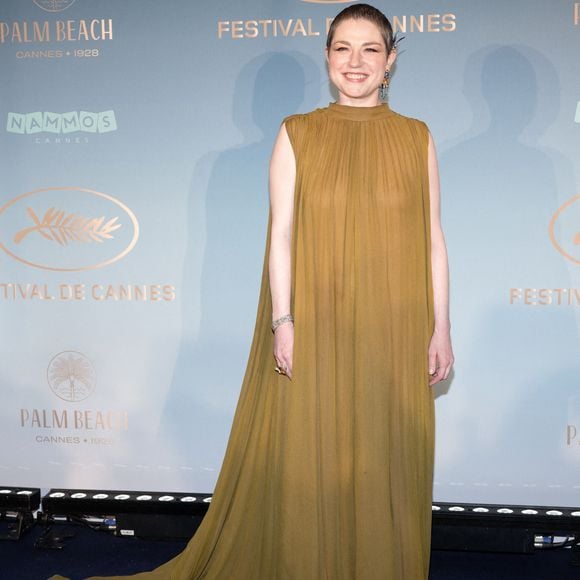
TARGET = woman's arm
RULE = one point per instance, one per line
(440, 350)
(282, 181)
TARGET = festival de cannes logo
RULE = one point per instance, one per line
(67, 229)
(565, 229)
(54, 5)
(71, 376)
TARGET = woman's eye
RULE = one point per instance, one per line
(340, 48)
(372, 50)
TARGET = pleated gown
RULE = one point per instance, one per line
(329, 476)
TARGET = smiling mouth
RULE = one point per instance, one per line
(356, 77)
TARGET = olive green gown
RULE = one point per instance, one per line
(329, 476)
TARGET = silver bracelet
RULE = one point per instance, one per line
(282, 320)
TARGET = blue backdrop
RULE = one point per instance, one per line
(133, 205)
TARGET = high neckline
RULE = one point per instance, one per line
(360, 113)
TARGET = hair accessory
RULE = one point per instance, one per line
(396, 41)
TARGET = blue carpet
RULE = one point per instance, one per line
(86, 552)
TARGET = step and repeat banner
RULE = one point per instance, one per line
(134, 147)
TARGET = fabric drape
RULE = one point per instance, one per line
(329, 476)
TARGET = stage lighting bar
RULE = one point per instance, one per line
(107, 502)
(499, 528)
(541, 518)
(147, 514)
(19, 499)
(456, 526)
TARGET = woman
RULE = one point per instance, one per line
(328, 470)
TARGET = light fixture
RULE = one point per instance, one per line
(131, 513)
(17, 507)
(499, 528)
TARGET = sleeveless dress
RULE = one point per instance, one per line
(329, 476)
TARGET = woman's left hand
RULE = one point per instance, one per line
(440, 356)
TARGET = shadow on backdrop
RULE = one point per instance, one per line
(210, 364)
(501, 189)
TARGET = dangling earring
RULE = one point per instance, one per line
(384, 87)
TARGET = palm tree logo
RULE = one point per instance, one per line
(54, 5)
(71, 376)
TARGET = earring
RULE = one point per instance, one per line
(384, 87)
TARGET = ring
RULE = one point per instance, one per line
(280, 371)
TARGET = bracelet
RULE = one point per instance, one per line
(282, 320)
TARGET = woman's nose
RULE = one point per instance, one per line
(355, 58)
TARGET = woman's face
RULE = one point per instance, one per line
(357, 60)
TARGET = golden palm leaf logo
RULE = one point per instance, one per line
(38, 228)
(71, 376)
(62, 227)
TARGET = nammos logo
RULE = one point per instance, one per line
(71, 376)
(67, 229)
(62, 123)
(564, 229)
(54, 5)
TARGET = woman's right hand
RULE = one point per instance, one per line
(284, 347)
